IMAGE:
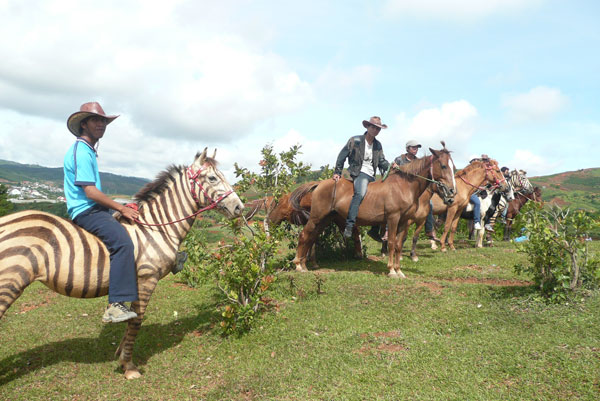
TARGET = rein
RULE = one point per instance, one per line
(193, 178)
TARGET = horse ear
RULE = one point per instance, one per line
(200, 158)
(434, 152)
(214, 154)
(443, 144)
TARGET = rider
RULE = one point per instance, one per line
(89, 207)
(365, 155)
(412, 147)
(476, 201)
(500, 206)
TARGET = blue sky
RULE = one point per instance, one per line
(517, 80)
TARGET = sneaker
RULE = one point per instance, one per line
(374, 233)
(117, 312)
(348, 232)
(477, 226)
(488, 227)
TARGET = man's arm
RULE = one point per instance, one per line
(99, 197)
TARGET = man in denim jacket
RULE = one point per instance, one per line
(365, 156)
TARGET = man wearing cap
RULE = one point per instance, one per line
(500, 207)
(365, 156)
(89, 207)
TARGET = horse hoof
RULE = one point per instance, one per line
(393, 274)
(132, 374)
(400, 274)
(434, 245)
(444, 250)
(415, 258)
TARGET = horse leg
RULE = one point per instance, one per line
(398, 248)
(357, 243)
(13, 281)
(453, 228)
(394, 271)
(447, 227)
(418, 228)
(307, 238)
(312, 256)
(479, 238)
(125, 350)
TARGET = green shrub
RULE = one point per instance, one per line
(557, 250)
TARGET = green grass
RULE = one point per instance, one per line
(458, 328)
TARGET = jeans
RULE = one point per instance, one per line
(360, 189)
(429, 223)
(476, 208)
(122, 284)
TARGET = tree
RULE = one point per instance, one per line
(6, 206)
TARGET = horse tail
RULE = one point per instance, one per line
(300, 214)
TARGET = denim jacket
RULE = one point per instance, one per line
(354, 151)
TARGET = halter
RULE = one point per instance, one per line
(193, 178)
(444, 187)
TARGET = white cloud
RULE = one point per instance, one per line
(336, 82)
(539, 104)
(168, 65)
(458, 10)
(453, 122)
(532, 163)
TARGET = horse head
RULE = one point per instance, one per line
(520, 182)
(210, 188)
(442, 174)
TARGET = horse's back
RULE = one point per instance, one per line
(40, 246)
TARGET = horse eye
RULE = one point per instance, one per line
(212, 178)
(444, 167)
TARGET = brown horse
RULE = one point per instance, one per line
(385, 202)
(477, 174)
(294, 207)
(515, 206)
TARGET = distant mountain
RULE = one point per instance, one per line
(112, 184)
(576, 189)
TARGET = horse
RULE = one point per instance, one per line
(489, 199)
(515, 206)
(294, 207)
(468, 180)
(38, 246)
(385, 202)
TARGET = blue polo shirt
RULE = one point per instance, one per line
(80, 168)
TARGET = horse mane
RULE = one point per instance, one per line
(164, 178)
(160, 183)
(299, 193)
(414, 167)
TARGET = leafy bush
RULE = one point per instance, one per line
(557, 250)
(243, 268)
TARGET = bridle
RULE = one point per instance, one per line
(489, 177)
(446, 192)
(194, 180)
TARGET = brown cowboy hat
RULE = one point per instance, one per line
(86, 110)
(376, 121)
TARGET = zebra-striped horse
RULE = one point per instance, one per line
(521, 186)
(37, 246)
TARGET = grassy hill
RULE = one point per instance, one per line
(12, 172)
(576, 189)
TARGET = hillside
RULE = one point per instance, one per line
(577, 189)
(12, 173)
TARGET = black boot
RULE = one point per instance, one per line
(374, 233)
(179, 262)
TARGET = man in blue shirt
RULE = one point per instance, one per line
(89, 207)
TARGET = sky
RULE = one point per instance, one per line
(515, 79)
